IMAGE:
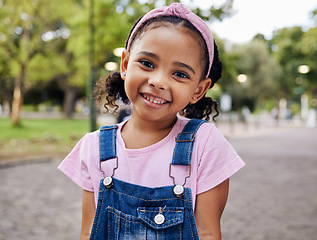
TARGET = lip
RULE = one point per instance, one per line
(154, 101)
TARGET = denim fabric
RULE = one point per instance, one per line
(107, 146)
(128, 211)
(184, 143)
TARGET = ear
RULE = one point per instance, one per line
(201, 89)
(124, 63)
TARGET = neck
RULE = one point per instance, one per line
(146, 126)
(146, 132)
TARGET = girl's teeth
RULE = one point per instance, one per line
(153, 100)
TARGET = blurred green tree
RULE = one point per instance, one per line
(5, 79)
(308, 46)
(292, 47)
(261, 74)
(27, 31)
(286, 50)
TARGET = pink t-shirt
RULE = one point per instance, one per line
(213, 161)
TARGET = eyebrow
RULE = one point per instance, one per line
(185, 66)
(149, 54)
(180, 64)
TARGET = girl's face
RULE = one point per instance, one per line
(162, 73)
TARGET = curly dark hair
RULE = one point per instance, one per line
(113, 86)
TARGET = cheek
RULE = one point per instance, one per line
(131, 86)
(183, 95)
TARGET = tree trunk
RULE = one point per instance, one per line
(17, 98)
(69, 101)
(69, 96)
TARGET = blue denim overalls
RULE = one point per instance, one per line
(129, 211)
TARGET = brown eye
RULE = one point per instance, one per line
(180, 74)
(147, 63)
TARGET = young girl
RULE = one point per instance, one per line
(158, 175)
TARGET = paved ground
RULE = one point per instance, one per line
(273, 198)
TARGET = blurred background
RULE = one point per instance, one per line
(52, 53)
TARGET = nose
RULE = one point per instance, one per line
(158, 81)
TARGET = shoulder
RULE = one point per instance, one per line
(210, 131)
(210, 138)
(88, 143)
(211, 143)
(90, 138)
(79, 163)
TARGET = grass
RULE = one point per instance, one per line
(40, 137)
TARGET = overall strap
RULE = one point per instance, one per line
(107, 142)
(185, 141)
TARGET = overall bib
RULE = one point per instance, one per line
(129, 211)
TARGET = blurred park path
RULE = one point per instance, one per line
(274, 197)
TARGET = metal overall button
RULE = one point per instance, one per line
(178, 190)
(107, 181)
(159, 219)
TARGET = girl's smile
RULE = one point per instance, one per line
(153, 101)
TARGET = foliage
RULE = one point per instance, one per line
(26, 30)
(254, 61)
(22, 24)
(5, 79)
(308, 46)
(293, 48)
(289, 57)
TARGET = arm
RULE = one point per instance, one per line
(88, 214)
(208, 211)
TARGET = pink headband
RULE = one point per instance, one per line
(178, 10)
